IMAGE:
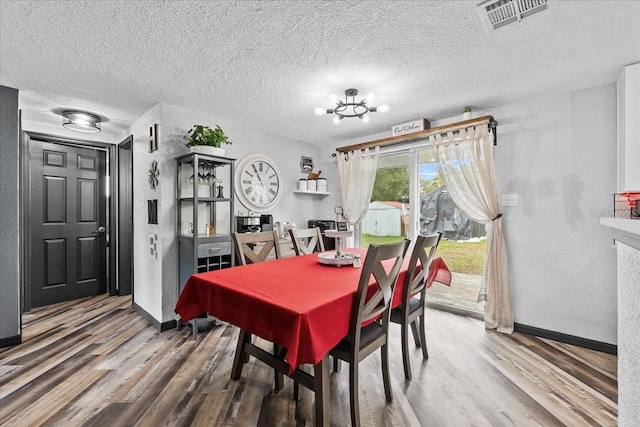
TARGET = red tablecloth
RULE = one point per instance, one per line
(438, 272)
(295, 302)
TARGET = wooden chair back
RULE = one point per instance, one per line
(368, 306)
(421, 256)
(255, 247)
(307, 241)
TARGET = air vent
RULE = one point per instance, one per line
(498, 13)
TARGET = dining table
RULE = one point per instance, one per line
(300, 305)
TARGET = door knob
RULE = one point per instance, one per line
(100, 230)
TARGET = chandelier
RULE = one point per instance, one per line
(350, 107)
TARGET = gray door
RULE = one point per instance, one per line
(125, 217)
(68, 220)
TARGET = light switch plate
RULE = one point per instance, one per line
(510, 199)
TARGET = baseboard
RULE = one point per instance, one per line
(164, 326)
(10, 341)
(567, 339)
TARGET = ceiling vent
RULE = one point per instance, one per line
(498, 13)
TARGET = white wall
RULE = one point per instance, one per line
(558, 153)
(148, 274)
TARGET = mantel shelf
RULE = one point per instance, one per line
(317, 193)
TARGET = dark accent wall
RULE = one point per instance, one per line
(9, 220)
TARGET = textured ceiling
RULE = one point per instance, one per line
(272, 62)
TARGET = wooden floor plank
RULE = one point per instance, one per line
(95, 361)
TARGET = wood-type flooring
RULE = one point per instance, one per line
(96, 362)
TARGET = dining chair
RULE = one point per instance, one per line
(370, 318)
(255, 247)
(413, 298)
(307, 241)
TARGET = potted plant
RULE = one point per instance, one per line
(203, 139)
(466, 113)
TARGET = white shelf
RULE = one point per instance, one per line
(317, 193)
(625, 230)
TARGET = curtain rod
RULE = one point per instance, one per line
(392, 140)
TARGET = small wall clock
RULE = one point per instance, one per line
(258, 182)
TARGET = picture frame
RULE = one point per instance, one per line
(306, 164)
(152, 211)
(342, 226)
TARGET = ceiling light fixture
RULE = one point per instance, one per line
(81, 121)
(351, 108)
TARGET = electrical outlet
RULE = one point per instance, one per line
(510, 199)
(153, 246)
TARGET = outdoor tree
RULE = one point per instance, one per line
(428, 185)
(391, 184)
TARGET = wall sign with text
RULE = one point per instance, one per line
(416, 125)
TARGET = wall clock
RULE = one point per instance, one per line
(258, 182)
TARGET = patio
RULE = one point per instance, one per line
(462, 294)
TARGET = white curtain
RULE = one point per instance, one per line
(466, 167)
(357, 171)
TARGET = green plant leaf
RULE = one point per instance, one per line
(204, 135)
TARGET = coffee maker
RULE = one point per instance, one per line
(254, 224)
(248, 224)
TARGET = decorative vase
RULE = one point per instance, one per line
(466, 115)
(208, 150)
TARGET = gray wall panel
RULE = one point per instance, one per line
(9, 224)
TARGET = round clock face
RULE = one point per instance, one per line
(258, 182)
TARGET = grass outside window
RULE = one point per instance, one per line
(461, 257)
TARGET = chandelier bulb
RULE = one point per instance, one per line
(370, 97)
(364, 118)
(336, 119)
(333, 98)
(383, 108)
(319, 111)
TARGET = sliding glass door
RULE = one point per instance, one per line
(409, 198)
(387, 219)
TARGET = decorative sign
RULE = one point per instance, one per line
(153, 138)
(153, 175)
(410, 127)
(306, 164)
